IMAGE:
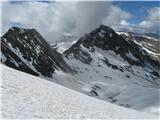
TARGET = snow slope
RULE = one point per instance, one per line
(115, 70)
(27, 96)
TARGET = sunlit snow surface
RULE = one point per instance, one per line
(132, 88)
(26, 96)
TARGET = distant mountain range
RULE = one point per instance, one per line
(152, 35)
(119, 67)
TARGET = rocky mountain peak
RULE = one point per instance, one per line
(103, 32)
(107, 39)
(28, 51)
(105, 28)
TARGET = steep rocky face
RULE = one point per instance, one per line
(151, 44)
(26, 50)
(107, 39)
(113, 68)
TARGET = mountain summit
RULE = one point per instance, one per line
(107, 39)
(114, 69)
(27, 50)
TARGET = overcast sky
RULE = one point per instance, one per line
(53, 19)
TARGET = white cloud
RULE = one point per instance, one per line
(124, 22)
(154, 14)
(116, 15)
(152, 22)
(54, 18)
(31, 15)
(90, 15)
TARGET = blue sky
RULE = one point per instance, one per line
(138, 9)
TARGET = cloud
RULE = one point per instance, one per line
(36, 15)
(89, 15)
(124, 22)
(118, 19)
(116, 16)
(53, 19)
(152, 22)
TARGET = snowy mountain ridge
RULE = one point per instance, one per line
(24, 97)
(115, 69)
(101, 64)
(150, 44)
(28, 51)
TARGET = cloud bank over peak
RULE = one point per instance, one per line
(53, 19)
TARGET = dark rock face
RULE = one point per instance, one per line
(149, 42)
(107, 39)
(27, 51)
